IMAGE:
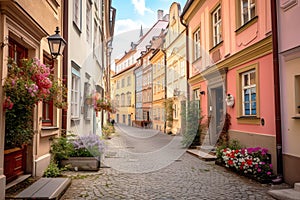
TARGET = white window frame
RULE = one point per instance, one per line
(88, 21)
(250, 5)
(217, 25)
(77, 13)
(197, 44)
(249, 87)
(75, 94)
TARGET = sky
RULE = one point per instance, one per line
(131, 15)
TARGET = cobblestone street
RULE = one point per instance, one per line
(185, 178)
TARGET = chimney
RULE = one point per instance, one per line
(160, 14)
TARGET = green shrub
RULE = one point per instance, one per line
(61, 149)
(52, 170)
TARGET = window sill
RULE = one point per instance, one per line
(49, 131)
(216, 46)
(248, 120)
(246, 25)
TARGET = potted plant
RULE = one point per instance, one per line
(85, 153)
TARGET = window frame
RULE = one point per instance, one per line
(217, 33)
(197, 44)
(48, 107)
(75, 92)
(241, 117)
(77, 22)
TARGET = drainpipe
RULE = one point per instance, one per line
(65, 61)
(187, 57)
(279, 178)
(165, 65)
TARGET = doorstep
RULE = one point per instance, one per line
(286, 194)
(202, 155)
(20, 179)
(45, 188)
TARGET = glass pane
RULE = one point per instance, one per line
(253, 109)
(246, 80)
(252, 78)
(246, 95)
(253, 94)
(247, 109)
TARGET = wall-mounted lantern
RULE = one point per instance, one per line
(56, 44)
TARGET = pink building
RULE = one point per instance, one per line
(231, 68)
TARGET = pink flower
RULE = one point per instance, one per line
(269, 173)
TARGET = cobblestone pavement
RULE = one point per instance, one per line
(185, 178)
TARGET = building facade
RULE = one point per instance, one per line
(231, 68)
(176, 66)
(25, 28)
(158, 61)
(289, 60)
(124, 91)
(90, 25)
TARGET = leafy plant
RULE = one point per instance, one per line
(194, 127)
(26, 84)
(52, 170)
(61, 149)
(169, 112)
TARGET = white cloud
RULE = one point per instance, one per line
(140, 6)
(127, 25)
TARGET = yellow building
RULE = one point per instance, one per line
(123, 93)
(176, 66)
(159, 93)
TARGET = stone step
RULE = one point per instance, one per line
(202, 155)
(45, 188)
(297, 187)
(285, 194)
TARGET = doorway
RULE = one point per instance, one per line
(216, 111)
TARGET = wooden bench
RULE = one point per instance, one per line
(45, 188)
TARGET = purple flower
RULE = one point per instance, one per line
(269, 173)
(271, 166)
(258, 170)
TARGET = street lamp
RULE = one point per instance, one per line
(56, 44)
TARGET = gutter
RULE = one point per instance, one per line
(187, 56)
(279, 178)
(65, 62)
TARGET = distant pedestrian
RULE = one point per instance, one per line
(113, 122)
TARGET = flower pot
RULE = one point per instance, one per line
(82, 163)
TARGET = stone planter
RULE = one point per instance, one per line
(82, 163)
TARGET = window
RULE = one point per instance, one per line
(88, 21)
(122, 100)
(247, 10)
(196, 38)
(123, 82)
(47, 113)
(248, 96)
(117, 100)
(128, 81)
(128, 99)
(249, 93)
(175, 114)
(77, 13)
(75, 93)
(118, 84)
(217, 22)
